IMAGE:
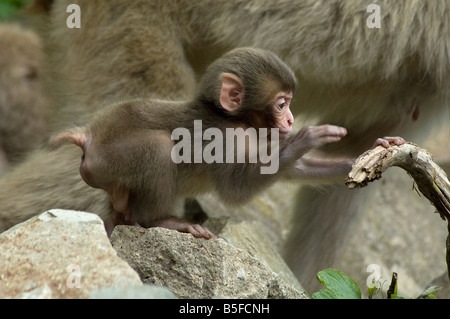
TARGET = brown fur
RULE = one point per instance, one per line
(24, 107)
(371, 81)
(127, 146)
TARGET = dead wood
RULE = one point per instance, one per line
(430, 179)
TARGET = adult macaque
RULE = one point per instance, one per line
(24, 107)
(128, 148)
(375, 82)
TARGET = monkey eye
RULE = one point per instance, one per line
(282, 103)
(83, 156)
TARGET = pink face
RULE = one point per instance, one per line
(283, 115)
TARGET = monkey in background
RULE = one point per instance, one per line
(24, 107)
(127, 148)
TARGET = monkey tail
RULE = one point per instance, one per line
(75, 136)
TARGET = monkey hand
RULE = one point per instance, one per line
(311, 137)
(387, 141)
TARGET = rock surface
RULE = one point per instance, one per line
(248, 236)
(197, 268)
(60, 254)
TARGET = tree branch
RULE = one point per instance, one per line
(430, 179)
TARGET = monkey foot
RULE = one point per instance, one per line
(172, 223)
(183, 226)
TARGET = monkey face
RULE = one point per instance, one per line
(283, 118)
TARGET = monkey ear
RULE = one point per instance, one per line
(232, 92)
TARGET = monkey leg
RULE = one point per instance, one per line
(173, 223)
(148, 210)
(155, 206)
(152, 183)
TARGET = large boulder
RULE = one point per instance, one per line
(197, 268)
(60, 254)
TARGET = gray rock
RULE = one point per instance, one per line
(197, 268)
(60, 254)
(247, 235)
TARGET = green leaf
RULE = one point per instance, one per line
(6, 10)
(372, 291)
(429, 293)
(323, 294)
(394, 296)
(9, 8)
(338, 284)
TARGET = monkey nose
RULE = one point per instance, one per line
(290, 119)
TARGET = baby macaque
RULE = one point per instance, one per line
(130, 149)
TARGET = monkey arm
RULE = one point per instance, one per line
(312, 168)
(237, 183)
